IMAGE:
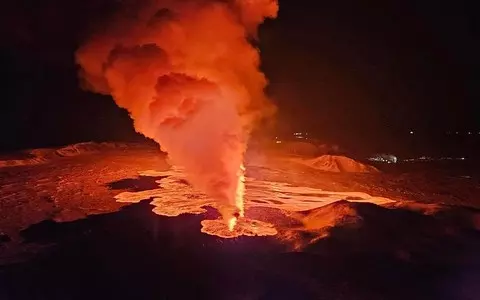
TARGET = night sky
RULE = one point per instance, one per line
(352, 72)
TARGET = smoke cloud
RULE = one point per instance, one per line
(190, 79)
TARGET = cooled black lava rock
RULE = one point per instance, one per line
(4, 238)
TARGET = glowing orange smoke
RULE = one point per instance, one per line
(239, 201)
(190, 80)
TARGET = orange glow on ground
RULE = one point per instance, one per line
(175, 197)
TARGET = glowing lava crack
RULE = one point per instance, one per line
(175, 197)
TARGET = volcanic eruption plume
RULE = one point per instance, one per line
(190, 79)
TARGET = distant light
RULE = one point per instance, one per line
(278, 142)
(469, 132)
(411, 132)
(299, 133)
(384, 158)
(456, 132)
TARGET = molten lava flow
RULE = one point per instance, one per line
(190, 79)
(175, 197)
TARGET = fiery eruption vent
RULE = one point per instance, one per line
(190, 80)
(239, 198)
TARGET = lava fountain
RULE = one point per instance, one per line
(239, 198)
(189, 77)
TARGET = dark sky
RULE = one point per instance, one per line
(350, 68)
(345, 70)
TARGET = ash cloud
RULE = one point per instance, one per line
(190, 80)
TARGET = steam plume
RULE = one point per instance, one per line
(190, 80)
